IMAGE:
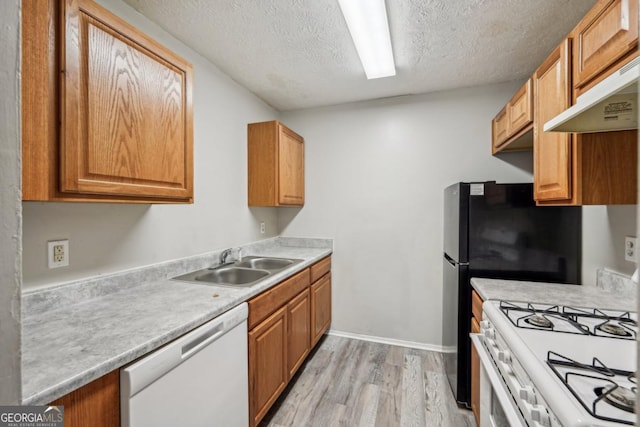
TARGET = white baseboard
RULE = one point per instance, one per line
(391, 341)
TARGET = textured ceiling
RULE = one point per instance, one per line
(298, 53)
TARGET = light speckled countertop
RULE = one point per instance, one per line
(67, 347)
(554, 293)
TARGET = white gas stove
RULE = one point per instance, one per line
(556, 365)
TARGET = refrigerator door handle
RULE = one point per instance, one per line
(452, 262)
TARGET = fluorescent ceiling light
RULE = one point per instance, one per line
(369, 28)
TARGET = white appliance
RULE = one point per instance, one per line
(200, 379)
(545, 365)
(610, 105)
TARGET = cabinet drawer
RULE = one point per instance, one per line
(320, 268)
(269, 301)
(476, 305)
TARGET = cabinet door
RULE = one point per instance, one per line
(552, 150)
(606, 34)
(298, 331)
(291, 168)
(267, 364)
(500, 128)
(320, 307)
(96, 404)
(475, 374)
(521, 108)
(126, 109)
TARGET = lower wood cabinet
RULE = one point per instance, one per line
(96, 404)
(320, 307)
(268, 373)
(285, 323)
(476, 317)
(298, 331)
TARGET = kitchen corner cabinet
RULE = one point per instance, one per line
(275, 165)
(512, 126)
(282, 332)
(106, 111)
(476, 305)
(96, 404)
(577, 169)
(604, 40)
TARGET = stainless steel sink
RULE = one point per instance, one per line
(265, 263)
(248, 272)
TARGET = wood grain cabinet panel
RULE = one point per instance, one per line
(126, 111)
(96, 404)
(552, 150)
(577, 169)
(605, 39)
(512, 126)
(268, 374)
(521, 108)
(500, 128)
(275, 165)
(108, 111)
(298, 331)
(320, 307)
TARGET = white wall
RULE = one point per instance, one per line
(10, 206)
(375, 174)
(110, 237)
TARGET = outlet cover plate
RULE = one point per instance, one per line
(58, 253)
(630, 248)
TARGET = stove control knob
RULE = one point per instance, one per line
(504, 356)
(485, 324)
(540, 415)
(490, 333)
(527, 394)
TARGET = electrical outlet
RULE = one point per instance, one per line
(630, 244)
(58, 253)
(262, 228)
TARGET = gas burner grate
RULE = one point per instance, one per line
(572, 320)
(602, 375)
(532, 318)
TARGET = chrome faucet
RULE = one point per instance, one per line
(227, 252)
(224, 255)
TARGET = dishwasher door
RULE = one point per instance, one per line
(200, 379)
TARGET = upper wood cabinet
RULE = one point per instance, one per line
(511, 128)
(124, 105)
(577, 169)
(605, 39)
(276, 165)
(500, 128)
(552, 150)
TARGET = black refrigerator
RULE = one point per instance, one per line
(496, 231)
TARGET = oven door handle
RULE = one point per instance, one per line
(499, 387)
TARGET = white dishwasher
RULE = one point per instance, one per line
(200, 379)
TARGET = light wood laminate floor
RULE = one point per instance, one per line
(348, 382)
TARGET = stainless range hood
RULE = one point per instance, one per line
(610, 105)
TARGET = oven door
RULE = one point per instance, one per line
(497, 407)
